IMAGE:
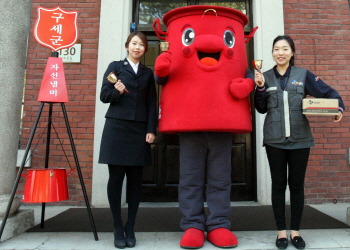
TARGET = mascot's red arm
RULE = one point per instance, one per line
(162, 65)
(241, 87)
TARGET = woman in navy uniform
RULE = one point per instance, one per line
(128, 132)
(287, 133)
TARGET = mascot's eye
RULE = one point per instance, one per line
(229, 38)
(188, 37)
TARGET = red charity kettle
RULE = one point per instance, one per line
(46, 185)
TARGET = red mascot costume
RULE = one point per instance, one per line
(205, 98)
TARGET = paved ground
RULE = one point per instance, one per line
(334, 239)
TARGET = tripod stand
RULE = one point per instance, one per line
(46, 166)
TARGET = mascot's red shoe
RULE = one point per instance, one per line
(192, 238)
(222, 237)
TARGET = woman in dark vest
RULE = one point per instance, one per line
(287, 133)
(128, 132)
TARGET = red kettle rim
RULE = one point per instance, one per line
(199, 10)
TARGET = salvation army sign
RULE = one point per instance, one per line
(56, 28)
(53, 86)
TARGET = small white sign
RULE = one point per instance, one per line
(20, 156)
(71, 54)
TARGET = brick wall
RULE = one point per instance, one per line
(321, 32)
(81, 87)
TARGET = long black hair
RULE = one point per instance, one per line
(291, 44)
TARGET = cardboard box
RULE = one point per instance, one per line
(320, 106)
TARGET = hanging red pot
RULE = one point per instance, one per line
(46, 185)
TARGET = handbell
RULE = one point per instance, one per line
(164, 46)
(112, 78)
(257, 65)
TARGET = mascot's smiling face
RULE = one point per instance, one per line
(205, 55)
(208, 42)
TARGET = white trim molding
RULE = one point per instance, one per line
(114, 30)
(268, 16)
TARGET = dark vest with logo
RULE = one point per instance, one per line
(284, 116)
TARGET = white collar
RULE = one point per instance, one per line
(134, 66)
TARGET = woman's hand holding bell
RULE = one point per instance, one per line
(259, 79)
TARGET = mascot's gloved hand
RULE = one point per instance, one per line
(163, 64)
(241, 87)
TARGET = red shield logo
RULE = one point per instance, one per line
(56, 28)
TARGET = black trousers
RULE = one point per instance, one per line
(294, 175)
(133, 195)
(205, 156)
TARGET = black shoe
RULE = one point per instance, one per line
(119, 240)
(130, 242)
(281, 243)
(298, 242)
(120, 244)
(130, 236)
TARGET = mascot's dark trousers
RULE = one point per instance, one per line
(205, 155)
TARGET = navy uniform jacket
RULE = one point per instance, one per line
(137, 105)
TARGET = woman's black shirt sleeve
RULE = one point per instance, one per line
(314, 86)
(260, 100)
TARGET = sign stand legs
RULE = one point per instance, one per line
(79, 171)
(20, 170)
(46, 165)
(48, 138)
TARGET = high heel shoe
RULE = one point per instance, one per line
(130, 242)
(118, 242)
(130, 237)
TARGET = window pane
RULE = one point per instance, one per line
(238, 5)
(149, 10)
(152, 53)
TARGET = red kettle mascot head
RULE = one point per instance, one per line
(205, 66)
